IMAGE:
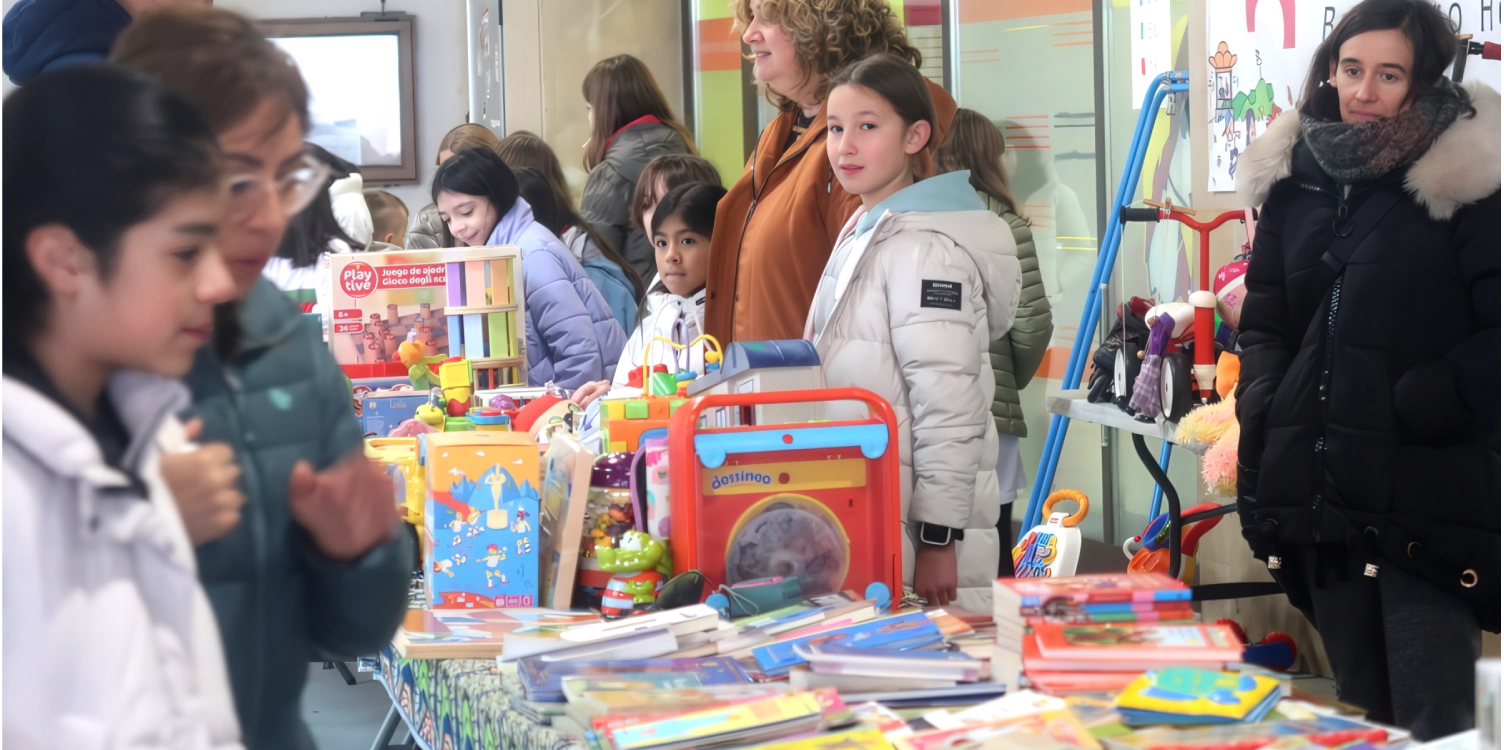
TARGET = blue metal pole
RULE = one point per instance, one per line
(1044, 477)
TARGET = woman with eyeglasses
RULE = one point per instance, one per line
(312, 566)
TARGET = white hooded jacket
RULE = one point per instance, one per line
(678, 319)
(911, 301)
(109, 640)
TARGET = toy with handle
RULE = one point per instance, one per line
(1155, 555)
(1052, 549)
(697, 521)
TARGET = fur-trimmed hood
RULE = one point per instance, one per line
(1461, 167)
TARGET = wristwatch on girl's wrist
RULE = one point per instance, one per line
(936, 535)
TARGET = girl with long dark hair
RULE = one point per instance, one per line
(572, 338)
(630, 123)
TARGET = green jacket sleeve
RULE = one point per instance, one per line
(1033, 325)
(354, 607)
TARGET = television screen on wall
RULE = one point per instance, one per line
(359, 73)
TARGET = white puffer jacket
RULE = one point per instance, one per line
(912, 300)
(109, 640)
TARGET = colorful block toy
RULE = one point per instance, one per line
(459, 302)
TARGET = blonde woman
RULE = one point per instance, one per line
(776, 226)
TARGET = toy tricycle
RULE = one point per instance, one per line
(1181, 352)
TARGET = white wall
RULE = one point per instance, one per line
(442, 90)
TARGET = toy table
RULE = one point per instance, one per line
(463, 704)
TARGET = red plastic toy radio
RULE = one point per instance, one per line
(818, 501)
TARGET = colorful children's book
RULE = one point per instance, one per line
(1180, 695)
(586, 705)
(472, 633)
(866, 738)
(1052, 730)
(1010, 707)
(742, 723)
(543, 680)
(964, 694)
(648, 645)
(1166, 644)
(561, 517)
(1330, 731)
(802, 678)
(481, 546)
(1010, 595)
(900, 632)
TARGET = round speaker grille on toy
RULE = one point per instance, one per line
(789, 535)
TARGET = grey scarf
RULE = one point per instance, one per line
(1357, 152)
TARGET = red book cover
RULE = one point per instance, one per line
(1138, 642)
(1109, 587)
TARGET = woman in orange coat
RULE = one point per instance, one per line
(775, 228)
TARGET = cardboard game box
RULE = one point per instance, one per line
(456, 302)
(381, 411)
(480, 520)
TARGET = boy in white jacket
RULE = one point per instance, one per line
(111, 273)
(675, 307)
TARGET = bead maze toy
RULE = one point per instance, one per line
(787, 500)
(410, 306)
(624, 420)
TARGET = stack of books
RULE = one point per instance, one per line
(1100, 632)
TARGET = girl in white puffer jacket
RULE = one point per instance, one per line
(921, 281)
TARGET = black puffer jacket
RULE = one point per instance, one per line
(1369, 398)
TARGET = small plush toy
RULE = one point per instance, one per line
(1216, 425)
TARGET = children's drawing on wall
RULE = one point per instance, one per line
(1238, 115)
(1261, 51)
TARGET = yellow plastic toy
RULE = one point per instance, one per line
(457, 385)
(402, 453)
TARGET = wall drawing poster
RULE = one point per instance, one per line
(1259, 52)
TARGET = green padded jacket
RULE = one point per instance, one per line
(1016, 357)
(280, 604)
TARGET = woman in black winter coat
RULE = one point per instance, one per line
(1369, 399)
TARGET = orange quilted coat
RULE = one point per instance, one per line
(776, 228)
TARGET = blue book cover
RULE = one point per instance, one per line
(544, 680)
(913, 630)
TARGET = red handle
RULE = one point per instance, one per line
(683, 474)
(1191, 538)
(1490, 50)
